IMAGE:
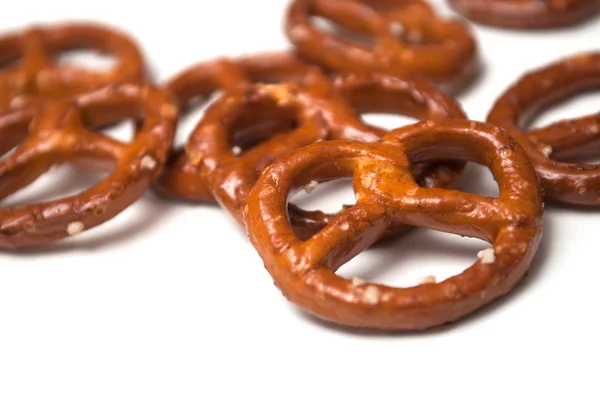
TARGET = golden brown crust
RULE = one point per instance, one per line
(314, 109)
(37, 75)
(386, 192)
(404, 36)
(527, 14)
(538, 89)
(205, 79)
(61, 132)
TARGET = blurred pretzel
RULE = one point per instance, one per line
(386, 193)
(61, 132)
(400, 36)
(527, 14)
(315, 109)
(539, 89)
(36, 74)
(194, 86)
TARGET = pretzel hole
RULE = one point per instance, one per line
(123, 131)
(581, 145)
(61, 181)
(325, 196)
(386, 106)
(86, 59)
(355, 35)
(260, 121)
(388, 121)
(413, 259)
(479, 180)
(191, 114)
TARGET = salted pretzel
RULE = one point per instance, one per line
(37, 75)
(387, 193)
(316, 109)
(401, 36)
(195, 85)
(60, 131)
(562, 181)
(526, 14)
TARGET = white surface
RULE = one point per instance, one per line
(113, 313)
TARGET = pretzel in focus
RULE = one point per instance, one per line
(563, 182)
(526, 14)
(402, 36)
(316, 109)
(37, 75)
(387, 193)
(61, 132)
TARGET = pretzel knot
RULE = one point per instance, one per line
(312, 110)
(563, 182)
(398, 37)
(386, 193)
(60, 133)
(526, 14)
(37, 75)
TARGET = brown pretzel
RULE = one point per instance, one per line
(526, 14)
(60, 133)
(563, 182)
(204, 79)
(37, 75)
(407, 36)
(387, 193)
(319, 110)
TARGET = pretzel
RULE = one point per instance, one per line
(403, 35)
(387, 193)
(38, 76)
(526, 14)
(198, 83)
(563, 182)
(320, 110)
(60, 133)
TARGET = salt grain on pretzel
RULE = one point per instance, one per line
(311, 186)
(305, 270)
(427, 279)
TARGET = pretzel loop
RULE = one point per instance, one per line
(399, 37)
(563, 182)
(39, 76)
(387, 193)
(61, 132)
(180, 179)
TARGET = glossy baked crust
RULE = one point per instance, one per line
(386, 193)
(311, 109)
(61, 131)
(564, 182)
(38, 75)
(395, 37)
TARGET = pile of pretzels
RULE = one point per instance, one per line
(287, 121)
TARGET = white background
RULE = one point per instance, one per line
(171, 300)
